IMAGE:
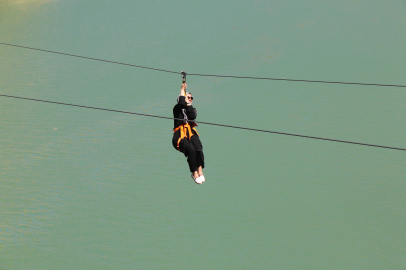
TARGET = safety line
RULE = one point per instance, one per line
(91, 58)
(295, 80)
(208, 75)
(207, 123)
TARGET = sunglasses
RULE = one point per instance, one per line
(191, 98)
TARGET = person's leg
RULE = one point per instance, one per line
(195, 175)
(200, 170)
(188, 149)
(201, 176)
(200, 161)
(175, 139)
(199, 153)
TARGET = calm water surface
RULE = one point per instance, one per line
(86, 189)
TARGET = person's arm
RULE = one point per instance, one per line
(191, 112)
(182, 98)
(183, 89)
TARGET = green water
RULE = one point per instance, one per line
(86, 189)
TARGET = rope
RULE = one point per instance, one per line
(207, 75)
(207, 123)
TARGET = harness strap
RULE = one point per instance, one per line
(185, 132)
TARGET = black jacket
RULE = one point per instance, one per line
(191, 112)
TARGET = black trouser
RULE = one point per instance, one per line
(192, 149)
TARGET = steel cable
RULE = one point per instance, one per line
(207, 75)
(207, 123)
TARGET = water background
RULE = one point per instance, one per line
(87, 189)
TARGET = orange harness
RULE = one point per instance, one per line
(185, 132)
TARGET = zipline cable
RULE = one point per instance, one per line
(207, 75)
(207, 123)
(90, 58)
(296, 80)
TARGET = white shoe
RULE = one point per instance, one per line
(202, 178)
(197, 180)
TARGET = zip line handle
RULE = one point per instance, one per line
(183, 73)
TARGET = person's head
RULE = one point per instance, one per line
(189, 97)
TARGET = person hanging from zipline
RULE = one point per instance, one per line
(185, 137)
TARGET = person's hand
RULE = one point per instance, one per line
(184, 87)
